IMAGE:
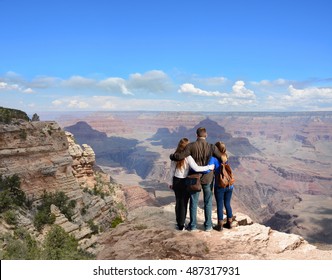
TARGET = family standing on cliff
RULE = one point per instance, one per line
(207, 159)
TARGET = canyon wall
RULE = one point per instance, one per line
(278, 158)
(47, 159)
(38, 152)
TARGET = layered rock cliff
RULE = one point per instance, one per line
(48, 160)
(38, 153)
(150, 233)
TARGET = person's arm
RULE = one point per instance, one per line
(212, 160)
(193, 165)
(181, 155)
(212, 163)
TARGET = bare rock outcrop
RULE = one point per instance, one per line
(150, 234)
(83, 160)
(136, 196)
(38, 153)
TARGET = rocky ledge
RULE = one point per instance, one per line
(150, 233)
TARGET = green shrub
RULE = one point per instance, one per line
(6, 201)
(10, 217)
(116, 221)
(35, 118)
(94, 228)
(120, 206)
(60, 245)
(20, 246)
(59, 199)
(11, 194)
(7, 115)
(83, 211)
(42, 218)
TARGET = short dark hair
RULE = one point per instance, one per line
(201, 132)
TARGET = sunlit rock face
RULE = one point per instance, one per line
(150, 233)
(38, 153)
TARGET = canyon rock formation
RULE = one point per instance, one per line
(38, 151)
(278, 158)
(149, 233)
(48, 160)
(275, 185)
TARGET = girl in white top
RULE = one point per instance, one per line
(179, 171)
(188, 162)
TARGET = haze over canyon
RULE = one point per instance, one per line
(282, 161)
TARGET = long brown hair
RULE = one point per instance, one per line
(181, 146)
(222, 148)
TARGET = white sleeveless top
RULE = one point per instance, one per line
(189, 162)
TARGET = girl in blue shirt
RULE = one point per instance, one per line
(223, 196)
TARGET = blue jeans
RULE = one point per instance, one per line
(194, 197)
(223, 197)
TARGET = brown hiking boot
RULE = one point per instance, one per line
(228, 224)
(219, 226)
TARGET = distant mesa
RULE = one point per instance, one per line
(238, 146)
(119, 151)
(82, 129)
(114, 151)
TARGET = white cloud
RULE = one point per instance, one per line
(154, 81)
(57, 102)
(114, 85)
(12, 77)
(236, 102)
(151, 82)
(6, 86)
(72, 103)
(108, 105)
(44, 82)
(240, 91)
(143, 91)
(79, 82)
(14, 87)
(28, 90)
(118, 103)
(309, 93)
(77, 104)
(311, 98)
(268, 83)
(239, 96)
(191, 89)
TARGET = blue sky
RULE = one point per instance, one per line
(166, 55)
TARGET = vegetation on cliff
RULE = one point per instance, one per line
(11, 195)
(17, 238)
(7, 115)
(58, 245)
(20, 244)
(44, 215)
(51, 195)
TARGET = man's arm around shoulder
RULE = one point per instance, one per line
(181, 155)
